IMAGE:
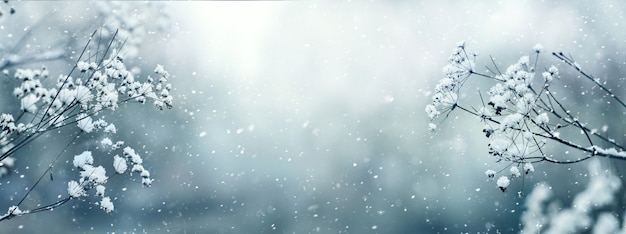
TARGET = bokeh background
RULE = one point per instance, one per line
(308, 116)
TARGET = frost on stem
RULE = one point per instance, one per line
(520, 114)
(13, 211)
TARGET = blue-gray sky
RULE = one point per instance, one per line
(307, 116)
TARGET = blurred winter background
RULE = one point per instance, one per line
(308, 116)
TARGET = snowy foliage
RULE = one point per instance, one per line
(116, 19)
(521, 114)
(95, 177)
(503, 182)
(13, 211)
(119, 164)
(83, 159)
(107, 205)
(75, 189)
(587, 211)
(76, 103)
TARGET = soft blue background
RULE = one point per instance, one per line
(308, 116)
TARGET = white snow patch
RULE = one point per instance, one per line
(107, 205)
(83, 159)
(503, 182)
(85, 123)
(119, 164)
(74, 189)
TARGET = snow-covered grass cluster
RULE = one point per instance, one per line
(520, 113)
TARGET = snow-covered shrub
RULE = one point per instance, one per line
(77, 102)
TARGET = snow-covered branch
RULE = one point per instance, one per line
(522, 113)
(17, 60)
(76, 103)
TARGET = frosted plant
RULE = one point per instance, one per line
(521, 112)
(77, 103)
(115, 17)
(588, 210)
